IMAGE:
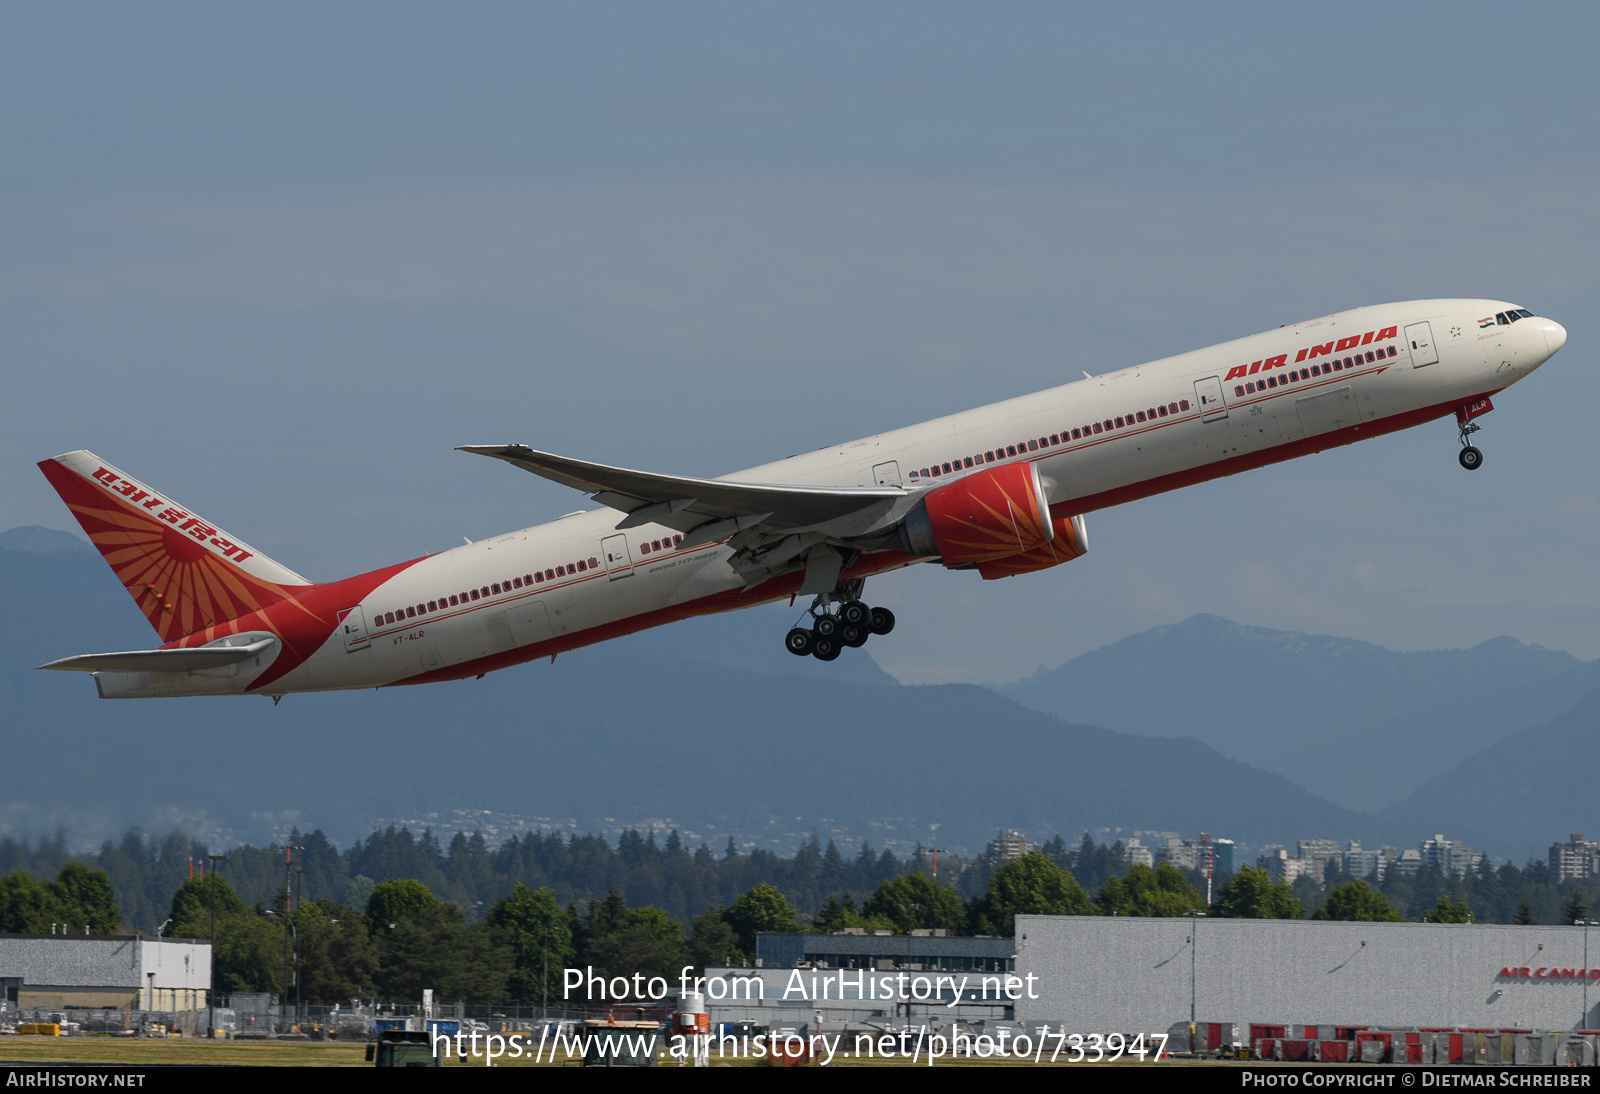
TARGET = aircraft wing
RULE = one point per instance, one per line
(189, 660)
(686, 503)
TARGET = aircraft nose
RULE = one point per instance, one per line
(1555, 335)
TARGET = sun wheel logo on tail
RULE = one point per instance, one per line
(997, 520)
(185, 574)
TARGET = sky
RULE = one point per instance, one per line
(278, 260)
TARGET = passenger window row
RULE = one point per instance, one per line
(538, 577)
(660, 545)
(1327, 368)
(1022, 448)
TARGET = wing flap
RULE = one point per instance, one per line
(687, 503)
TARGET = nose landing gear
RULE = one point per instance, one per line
(1470, 457)
(830, 632)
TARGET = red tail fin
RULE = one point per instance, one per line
(184, 573)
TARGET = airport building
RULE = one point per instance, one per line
(111, 972)
(1108, 974)
(882, 950)
(866, 979)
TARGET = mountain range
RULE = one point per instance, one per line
(1353, 722)
(711, 727)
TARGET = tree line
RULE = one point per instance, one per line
(647, 868)
(405, 939)
(1487, 893)
(649, 902)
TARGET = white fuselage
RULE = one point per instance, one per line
(1163, 436)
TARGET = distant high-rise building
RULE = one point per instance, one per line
(1006, 846)
(1200, 855)
(1220, 851)
(1448, 856)
(1408, 863)
(1280, 866)
(1577, 858)
(1363, 864)
(1179, 852)
(1318, 855)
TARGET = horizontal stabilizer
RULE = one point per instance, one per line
(686, 503)
(190, 660)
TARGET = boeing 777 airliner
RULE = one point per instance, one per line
(1002, 490)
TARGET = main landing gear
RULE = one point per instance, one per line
(851, 624)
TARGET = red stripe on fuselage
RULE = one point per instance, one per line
(767, 592)
(303, 623)
(1277, 454)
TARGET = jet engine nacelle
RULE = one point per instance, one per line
(990, 514)
(1069, 542)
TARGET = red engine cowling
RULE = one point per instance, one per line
(990, 514)
(1069, 542)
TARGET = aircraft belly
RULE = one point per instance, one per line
(489, 629)
(1123, 461)
(1327, 411)
(331, 667)
(1098, 473)
(493, 631)
(1255, 427)
(530, 623)
(1066, 473)
(708, 574)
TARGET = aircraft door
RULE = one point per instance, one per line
(1208, 393)
(1419, 336)
(353, 629)
(615, 550)
(887, 474)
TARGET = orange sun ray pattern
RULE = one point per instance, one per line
(1063, 548)
(179, 584)
(994, 514)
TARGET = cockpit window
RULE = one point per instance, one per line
(1500, 318)
(1525, 313)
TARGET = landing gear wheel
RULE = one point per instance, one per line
(854, 612)
(799, 642)
(881, 621)
(854, 636)
(1471, 458)
(826, 626)
(825, 648)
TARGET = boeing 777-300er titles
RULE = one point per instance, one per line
(1002, 490)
